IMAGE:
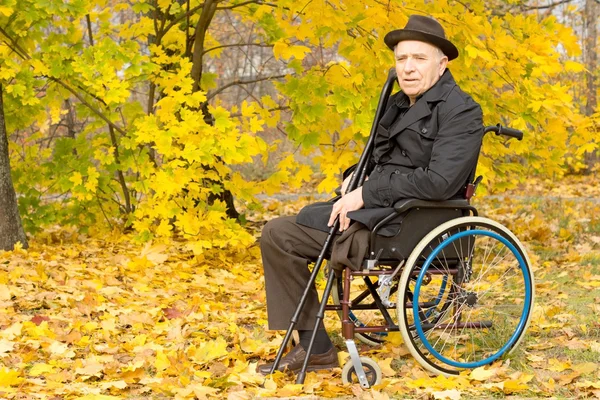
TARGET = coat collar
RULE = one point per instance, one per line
(422, 107)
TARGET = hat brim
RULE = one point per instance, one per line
(393, 37)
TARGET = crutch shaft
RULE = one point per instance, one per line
(305, 294)
(319, 318)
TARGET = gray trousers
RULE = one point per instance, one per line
(287, 249)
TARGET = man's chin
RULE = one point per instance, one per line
(410, 91)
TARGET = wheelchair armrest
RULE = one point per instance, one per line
(408, 204)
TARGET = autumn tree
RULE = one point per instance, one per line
(131, 115)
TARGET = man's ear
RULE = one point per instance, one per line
(443, 65)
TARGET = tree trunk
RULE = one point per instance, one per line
(591, 65)
(208, 12)
(11, 229)
(591, 55)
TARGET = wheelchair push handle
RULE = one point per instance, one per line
(506, 131)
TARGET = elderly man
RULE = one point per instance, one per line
(426, 147)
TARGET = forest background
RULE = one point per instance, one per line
(142, 143)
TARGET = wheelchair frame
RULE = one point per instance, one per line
(460, 289)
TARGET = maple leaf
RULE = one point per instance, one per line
(9, 377)
(38, 319)
(172, 312)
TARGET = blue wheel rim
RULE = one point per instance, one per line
(526, 303)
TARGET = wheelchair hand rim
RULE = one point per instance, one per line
(526, 303)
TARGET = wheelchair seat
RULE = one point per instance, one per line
(411, 220)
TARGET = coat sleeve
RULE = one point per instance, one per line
(454, 154)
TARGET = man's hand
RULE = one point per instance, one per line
(350, 202)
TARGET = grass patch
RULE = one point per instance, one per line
(592, 259)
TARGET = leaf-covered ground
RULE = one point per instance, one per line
(107, 318)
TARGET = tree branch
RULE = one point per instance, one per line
(120, 175)
(15, 46)
(208, 12)
(183, 16)
(89, 26)
(88, 105)
(558, 3)
(211, 95)
(245, 3)
(282, 108)
(237, 45)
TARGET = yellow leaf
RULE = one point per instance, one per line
(386, 367)
(39, 67)
(114, 384)
(164, 4)
(6, 346)
(76, 178)
(573, 66)
(162, 361)
(211, 350)
(155, 254)
(472, 52)
(482, 374)
(7, 11)
(290, 390)
(342, 357)
(558, 366)
(9, 377)
(279, 48)
(93, 368)
(270, 384)
(452, 394)
(297, 51)
(585, 368)
(58, 348)
(394, 338)
(511, 386)
(40, 369)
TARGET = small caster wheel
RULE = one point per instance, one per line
(372, 371)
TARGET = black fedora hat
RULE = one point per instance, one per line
(423, 29)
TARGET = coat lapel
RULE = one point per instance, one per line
(418, 111)
(422, 108)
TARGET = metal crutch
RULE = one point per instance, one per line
(356, 181)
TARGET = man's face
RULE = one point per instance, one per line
(419, 66)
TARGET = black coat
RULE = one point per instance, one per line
(426, 151)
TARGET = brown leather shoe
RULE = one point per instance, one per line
(294, 360)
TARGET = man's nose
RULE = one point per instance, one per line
(409, 65)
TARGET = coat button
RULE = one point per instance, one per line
(386, 203)
(379, 168)
(424, 130)
(397, 172)
(404, 153)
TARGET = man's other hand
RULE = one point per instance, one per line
(351, 202)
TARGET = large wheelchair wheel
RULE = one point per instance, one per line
(364, 311)
(485, 306)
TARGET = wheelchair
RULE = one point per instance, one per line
(461, 285)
